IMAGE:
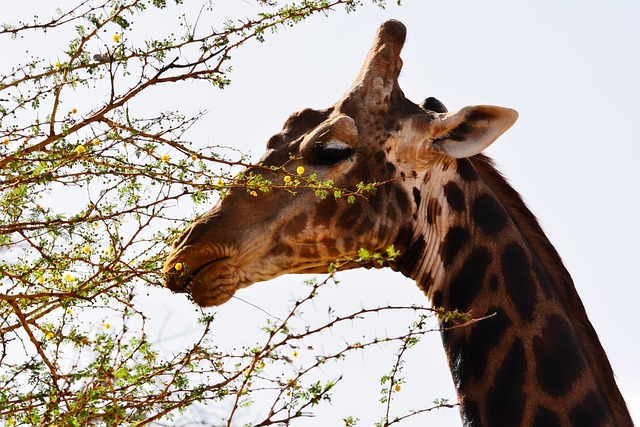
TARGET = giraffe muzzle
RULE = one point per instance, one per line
(212, 283)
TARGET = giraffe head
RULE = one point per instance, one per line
(373, 134)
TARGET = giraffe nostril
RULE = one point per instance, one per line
(189, 236)
(178, 241)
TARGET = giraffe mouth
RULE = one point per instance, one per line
(212, 283)
(187, 285)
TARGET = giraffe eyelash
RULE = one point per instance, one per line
(330, 153)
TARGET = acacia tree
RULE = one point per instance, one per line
(89, 182)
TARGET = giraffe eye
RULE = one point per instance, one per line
(331, 153)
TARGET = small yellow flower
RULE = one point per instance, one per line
(261, 364)
(397, 387)
(116, 38)
(253, 193)
(6, 141)
(41, 280)
(165, 158)
(57, 64)
(74, 110)
(294, 354)
(194, 157)
(288, 393)
(300, 170)
(96, 224)
(69, 278)
(107, 326)
(287, 179)
(69, 311)
(96, 142)
(178, 266)
(86, 249)
(220, 183)
(50, 335)
(80, 149)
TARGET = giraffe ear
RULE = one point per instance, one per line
(469, 131)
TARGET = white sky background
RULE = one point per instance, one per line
(570, 69)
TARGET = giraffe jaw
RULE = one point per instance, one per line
(215, 281)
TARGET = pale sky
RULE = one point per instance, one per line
(570, 69)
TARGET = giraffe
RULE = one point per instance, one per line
(464, 235)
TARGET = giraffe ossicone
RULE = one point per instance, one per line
(464, 235)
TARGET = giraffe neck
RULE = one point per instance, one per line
(537, 360)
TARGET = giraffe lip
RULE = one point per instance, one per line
(214, 282)
(187, 283)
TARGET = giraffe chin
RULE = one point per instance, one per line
(214, 283)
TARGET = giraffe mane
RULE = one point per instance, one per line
(563, 284)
